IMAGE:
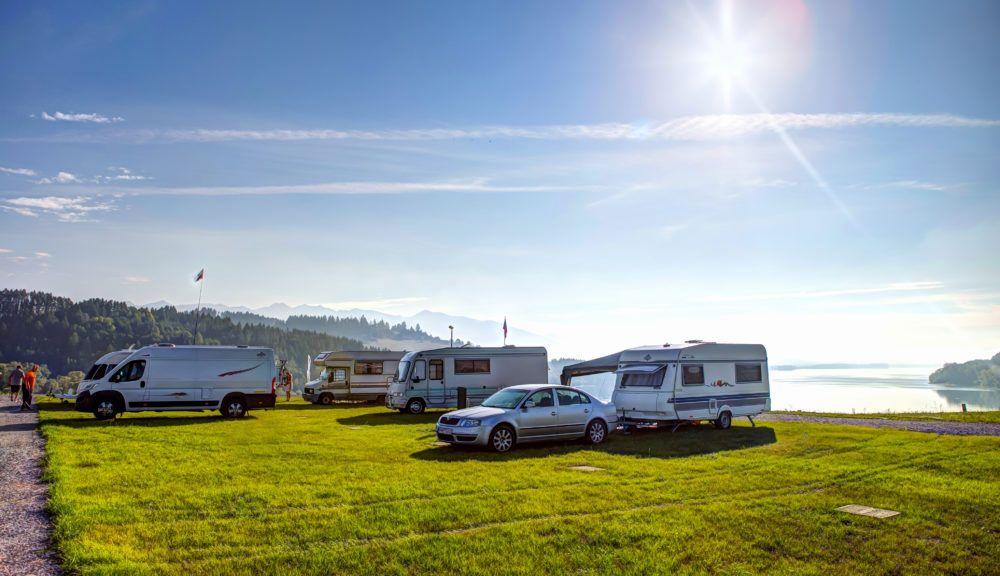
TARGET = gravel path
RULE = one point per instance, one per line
(24, 526)
(952, 428)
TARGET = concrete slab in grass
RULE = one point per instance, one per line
(584, 468)
(868, 511)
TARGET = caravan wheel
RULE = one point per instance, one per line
(724, 421)
(326, 399)
(415, 406)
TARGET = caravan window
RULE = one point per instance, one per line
(472, 366)
(362, 367)
(654, 380)
(749, 373)
(436, 369)
(694, 375)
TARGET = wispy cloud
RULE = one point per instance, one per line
(60, 178)
(77, 117)
(687, 128)
(915, 185)
(380, 303)
(6, 251)
(478, 185)
(18, 171)
(121, 174)
(894, 287)
(768, 183)
(135, 280)
(65, 209)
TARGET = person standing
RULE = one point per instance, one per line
(288, 386)
(28, 387)
(15, 380)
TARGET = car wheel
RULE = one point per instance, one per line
(234, 408)
(502, 439)
(724, 421)
(326, 399)
(105, 408)
(597, 432)
(415, 406)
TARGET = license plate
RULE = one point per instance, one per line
(444, 431)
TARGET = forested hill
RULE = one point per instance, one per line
(66, 335)
(369, 331)
(975, 373)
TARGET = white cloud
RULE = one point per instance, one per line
(43, 255)
(66, 209)
(377, 304)
(479, 185)
(6, 251)
(894, 287)
(135, 280)
(768, 183)
(92, 117)
(60, 178)
(18, 171)
(123, 174)
(688, 128)
(916, 185)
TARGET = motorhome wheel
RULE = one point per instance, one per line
(326, 399)
(234, 408)
(724, 421)
(415, 406)
(105, 408)
(596, 432)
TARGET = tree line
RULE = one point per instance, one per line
(348, 327)
(974, 373)
(67, 336)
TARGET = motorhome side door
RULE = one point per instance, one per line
(436, 389)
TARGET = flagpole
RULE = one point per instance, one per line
(197, 310)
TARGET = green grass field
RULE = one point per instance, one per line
(361, 490)
(992, 417)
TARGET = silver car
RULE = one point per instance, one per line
(527, 413)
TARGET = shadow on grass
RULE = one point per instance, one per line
(145, 419)
(688, 441)
(390, 418)
(282, 405)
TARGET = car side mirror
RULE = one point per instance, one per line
(416, 379)
(528, 404)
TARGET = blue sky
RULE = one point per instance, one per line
(819, 177)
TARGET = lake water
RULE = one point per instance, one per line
(858, 390)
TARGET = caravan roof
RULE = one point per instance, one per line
(347, 355)
(693, 350)
(483, 351)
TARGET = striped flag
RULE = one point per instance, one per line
(200, 276)
(505, 328)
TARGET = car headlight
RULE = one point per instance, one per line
(469, 423)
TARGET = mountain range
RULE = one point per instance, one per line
(476, 331)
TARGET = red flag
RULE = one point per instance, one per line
(200, 276)
(505, 328)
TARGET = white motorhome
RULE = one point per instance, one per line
(352, 375)
(232, 379)
(694, 381)
(431, 378)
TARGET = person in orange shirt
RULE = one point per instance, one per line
(28, 387)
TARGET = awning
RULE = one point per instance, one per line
(642, 369)
(600, 365)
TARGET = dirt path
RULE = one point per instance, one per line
(952, 428)
(24, 526)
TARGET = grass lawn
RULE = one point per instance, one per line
(992, 417)
(362, 490)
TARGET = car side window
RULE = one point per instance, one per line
(584, 399)
(568, 397)
(542, 399)
(130, 372)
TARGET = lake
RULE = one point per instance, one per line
(849, 390)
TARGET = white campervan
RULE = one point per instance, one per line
(232, 379)
(431, 379)
(693, 381)
(352, 375)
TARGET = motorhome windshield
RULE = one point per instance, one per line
(401, 371)
(97, 371)
(506, 399)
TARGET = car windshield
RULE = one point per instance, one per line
(505, 399)
(401, 371)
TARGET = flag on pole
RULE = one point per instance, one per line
(504, 329)
(200, 276)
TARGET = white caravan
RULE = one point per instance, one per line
(350, 375)
(693, 381)
(431, 379)
(232, 379)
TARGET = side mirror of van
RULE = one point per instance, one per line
(416, 379)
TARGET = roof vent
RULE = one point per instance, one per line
(666, 344)
(164, 345)
(694, 341)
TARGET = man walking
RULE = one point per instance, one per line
(28, 387)
(14, 381)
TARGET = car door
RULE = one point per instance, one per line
(539, 416)
(573, 412)
(129, 380)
